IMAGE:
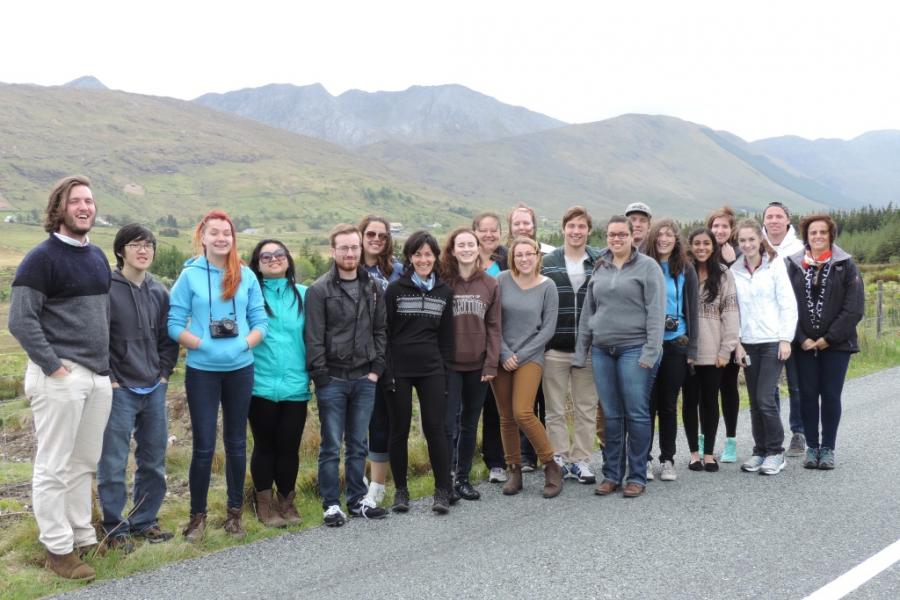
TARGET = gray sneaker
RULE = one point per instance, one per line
(812, 459)
(798, 445)
(668, 473)
(826, 459)
(772, 465)
(753, 464)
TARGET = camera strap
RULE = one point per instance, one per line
(209, 290)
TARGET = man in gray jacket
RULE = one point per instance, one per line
(142, 357)
(345, 338)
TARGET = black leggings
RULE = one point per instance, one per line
(491, 444)
(432, 393)
(277, 428)
(731, 398)
(664, 399)
(701, 391)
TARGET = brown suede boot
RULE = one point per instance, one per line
(287, 510)
(513, 485)
(233, 523)
(69, 566)
(196, 528)
(552, 479)
(266, 511)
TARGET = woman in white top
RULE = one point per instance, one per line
(768, 324)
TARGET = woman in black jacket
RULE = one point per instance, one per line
(830, 303)
(420, 347)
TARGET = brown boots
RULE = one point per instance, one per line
(513, 485)
(233, 523)
(287, 510)
(196, 528)
(266, 511)
(553, 479)
(69, 566)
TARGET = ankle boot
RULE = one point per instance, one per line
(266, 512)
(552, 479)
(287, 510)
(196, 528)
(69, 566)
(233, 523)
(513, 485)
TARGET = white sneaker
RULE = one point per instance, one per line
(334, 516)
(582, 472)
(753, 464)
(497, 475)
(668, 473)
(772, 465)
(375, 493)
(650, 470)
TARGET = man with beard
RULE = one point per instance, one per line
(59, 313)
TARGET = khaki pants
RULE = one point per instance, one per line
(515, 394)
(561, 378)
(70, 416)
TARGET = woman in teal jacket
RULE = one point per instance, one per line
(280, 387)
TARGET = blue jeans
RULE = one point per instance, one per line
(145, 415)
(465, 399)
(624, 390)
(822, 376)
(205, 391)
(345, 409)
(795, 411)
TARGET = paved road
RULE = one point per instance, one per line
(725, 535)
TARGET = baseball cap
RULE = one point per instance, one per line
(638, 207)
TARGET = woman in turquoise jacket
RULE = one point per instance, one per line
(280, 387)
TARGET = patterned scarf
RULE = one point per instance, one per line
(817, 270)
(425, 285)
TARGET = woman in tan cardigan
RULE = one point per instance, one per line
(719, 330)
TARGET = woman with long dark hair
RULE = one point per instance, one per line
(419, 309)
(830, 303)
(718, 328)
(280, 387)
(217, 312)
(665, 246)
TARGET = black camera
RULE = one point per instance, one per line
(223, 328)
(671, 323)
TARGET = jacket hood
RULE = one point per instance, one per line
(201, 262)
(606, 255)
(789, 238)
(838, 254)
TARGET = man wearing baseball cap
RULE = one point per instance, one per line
(639, 214)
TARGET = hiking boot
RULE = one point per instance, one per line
(441, 503)
(798, 445)
(729, 454)
(401, 500)
(553, 479)
(513, 484)
(466, 491)
(233, 523)
(69, 566)
(287, 510)
(497, 475)
(266, 511)
(367, 509)
(632, 490)
(89, 551)
(334, 516)
(196, 528)
(452, 495)
(581, 471)
(772, 465)
(120, 542)
(812, 459)
(154, 534)
(752, 464)
(826, 459)
(668, 472)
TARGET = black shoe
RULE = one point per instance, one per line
(366, 509)
(695, 465)
(334, 516)
(466, 491)
(154, 535)
(441, 504)
(711, 467)
(454, 496)
(120, 542)
(401, 500)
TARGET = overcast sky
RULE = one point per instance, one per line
(755, 68)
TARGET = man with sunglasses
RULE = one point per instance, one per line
(141, 360)
(781, 234)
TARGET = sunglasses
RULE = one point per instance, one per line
(371, 235)
(267, 257)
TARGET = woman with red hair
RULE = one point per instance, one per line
(216, 311)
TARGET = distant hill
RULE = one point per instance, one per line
(677, 167)
(88, 82)
(865, 169)
(420, 114)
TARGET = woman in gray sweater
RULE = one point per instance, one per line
(622, 326)
(529, 303)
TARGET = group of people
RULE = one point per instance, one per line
(506, 332)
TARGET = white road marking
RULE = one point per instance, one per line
(858, 575)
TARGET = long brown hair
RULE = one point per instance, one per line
(678, 258)
(55, 213)
(764, 243)
(723, 212)
(385, 259)
(450, 266)
(232, 278)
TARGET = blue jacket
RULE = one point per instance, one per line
(189, 309)
(279, 372)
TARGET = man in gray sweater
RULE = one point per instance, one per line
(59, 313)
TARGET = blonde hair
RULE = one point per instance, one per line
(526, 241)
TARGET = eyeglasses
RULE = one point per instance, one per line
(347, 249)
(267, 257)
(371, 235)
(147, 247)
(618, 236)
(525, 256)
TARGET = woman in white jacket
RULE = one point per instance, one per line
(768, 324)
